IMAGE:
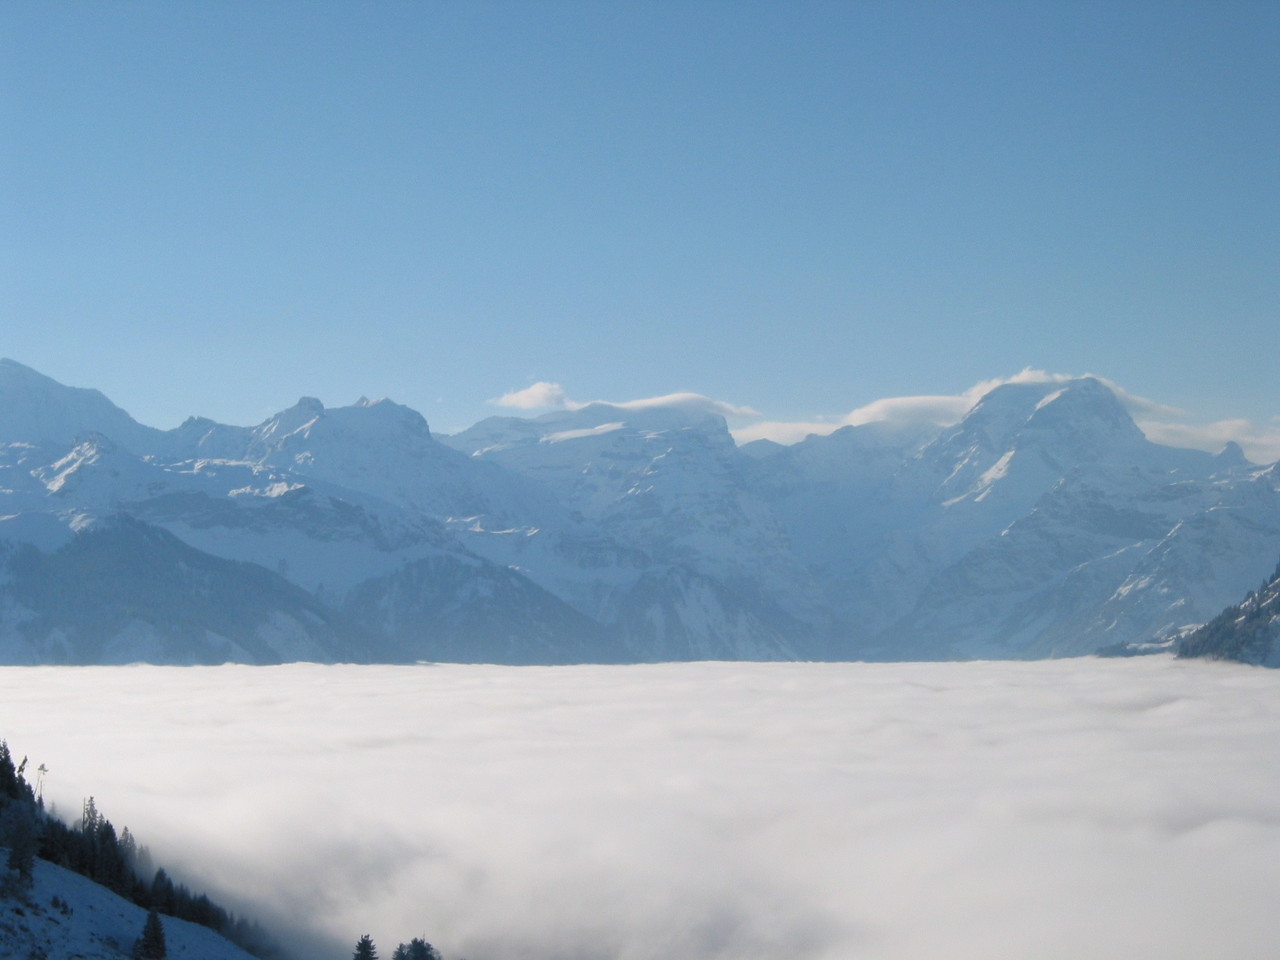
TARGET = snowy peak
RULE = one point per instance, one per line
(383, 418)
(1083, 414)
(37, 409)
(366, 423)
(494, 433)
(1026, 436)
(1082, 420)
(1230, 457)
(205, 439)
(301, 415)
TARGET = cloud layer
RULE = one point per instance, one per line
(704, 811)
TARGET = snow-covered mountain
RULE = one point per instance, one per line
(703, 566)
(1043, 523)
(215, 542)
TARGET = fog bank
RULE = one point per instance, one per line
(977, 811)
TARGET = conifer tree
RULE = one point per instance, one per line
(18, 832)
(8, 775)
(416, 949)
(163, 896)
(150, 944)
(365, 949)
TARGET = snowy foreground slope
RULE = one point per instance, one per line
(1042, 524)
(65, 916)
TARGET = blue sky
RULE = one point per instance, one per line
(801, 208)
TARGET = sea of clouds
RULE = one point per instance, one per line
(712, 811)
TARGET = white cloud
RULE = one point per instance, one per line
(1260, 442)
(544, 395)
(1087, 808)
(940, 410)
(783, 431)
(687, 401)
(541, 395)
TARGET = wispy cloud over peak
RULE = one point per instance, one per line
(544, 395)
(1136, 405)
(1161, 422)
(1259, 441)
(689, 401)
(940, 410)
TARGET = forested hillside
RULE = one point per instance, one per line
(1248, 631)
(40, 854)
(87, 891)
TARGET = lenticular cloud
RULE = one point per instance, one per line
(1062, 809)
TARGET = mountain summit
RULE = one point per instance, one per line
(37, 409)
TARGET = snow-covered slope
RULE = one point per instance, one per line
(65, 916)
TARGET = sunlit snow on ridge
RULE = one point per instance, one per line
(563, 435)
(1062, 809)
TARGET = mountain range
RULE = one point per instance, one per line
(1044, 523)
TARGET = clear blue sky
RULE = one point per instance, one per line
(215, 207)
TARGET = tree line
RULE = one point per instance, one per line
(1243, 632)
(92, 847)
(415, 949)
